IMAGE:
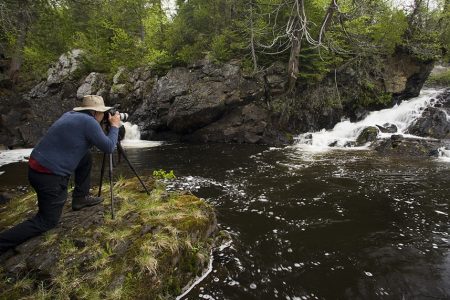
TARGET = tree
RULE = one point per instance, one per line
(16, 18)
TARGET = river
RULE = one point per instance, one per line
(332, 223)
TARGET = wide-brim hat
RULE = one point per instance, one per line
(93, 102)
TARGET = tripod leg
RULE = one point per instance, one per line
(102, 172)
(111, 184)
(120, 150)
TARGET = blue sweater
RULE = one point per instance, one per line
(69, 139)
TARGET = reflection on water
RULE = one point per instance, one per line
(334, 225)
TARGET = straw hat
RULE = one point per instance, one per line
(93, 102)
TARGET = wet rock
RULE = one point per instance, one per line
(397, 145)
(359, 114)
(433, 123)
(247, 124)
(387, 128)
(333, 144)
(5, 197)
(368, 134)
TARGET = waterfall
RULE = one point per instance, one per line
(345, 132)
(132, 138)
(131, 131)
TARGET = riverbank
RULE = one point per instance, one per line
(156, 245)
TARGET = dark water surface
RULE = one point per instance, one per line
(336, 225)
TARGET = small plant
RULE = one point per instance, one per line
(161, 174)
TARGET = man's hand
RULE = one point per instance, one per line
(114, 120)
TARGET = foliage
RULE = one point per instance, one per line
(133, 33)
(161, 174)
(441, 79)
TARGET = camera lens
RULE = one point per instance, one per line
(123, 117)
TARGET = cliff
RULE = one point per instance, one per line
(212, 102)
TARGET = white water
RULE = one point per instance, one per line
(132, 138)
(12, 156)
(402, 116)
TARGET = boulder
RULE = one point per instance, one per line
(398, 145)
(387, 128)
(368, 134)
(433, 123)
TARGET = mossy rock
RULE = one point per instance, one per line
(156, 245)
(368, 134)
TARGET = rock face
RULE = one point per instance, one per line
(404, 76)
(244, 124)
(208, 103)
(203, 102)
(24, 118)
(66, 67)
(156, 245)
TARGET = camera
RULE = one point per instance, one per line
(114, 109)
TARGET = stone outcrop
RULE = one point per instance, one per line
(66, 67)
(208, 103)
(94, 84)
(404, 76)
(129, 88)
(205, 101)
(155, 246)
(24, 118)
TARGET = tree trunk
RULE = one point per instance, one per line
(252, 41)
(17, 57)
(293, 67)
(327, 19)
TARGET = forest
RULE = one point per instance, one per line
(310, 37)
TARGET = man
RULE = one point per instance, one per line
(62, 151)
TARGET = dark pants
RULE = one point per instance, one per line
(51, 192)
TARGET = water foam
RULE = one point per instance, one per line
(132, 138)
(402, 116)
(12, 156)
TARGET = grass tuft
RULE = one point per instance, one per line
(153, 246)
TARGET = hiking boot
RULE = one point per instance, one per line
(80, 202)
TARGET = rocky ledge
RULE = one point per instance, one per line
(154, 247)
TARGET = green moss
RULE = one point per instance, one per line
(156, 244)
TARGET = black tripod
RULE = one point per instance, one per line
(120, 153)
